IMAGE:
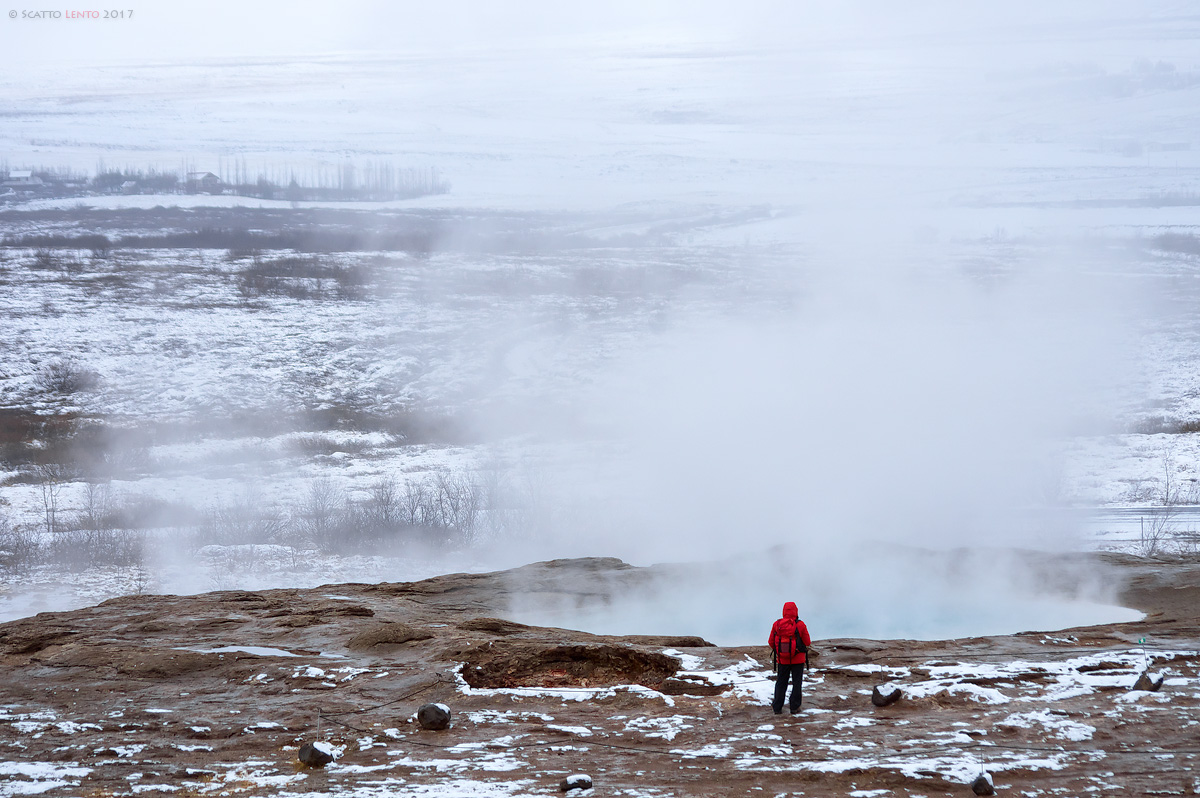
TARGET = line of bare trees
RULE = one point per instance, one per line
(98, 533)
(445, 509)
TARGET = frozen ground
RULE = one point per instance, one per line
(215, 694)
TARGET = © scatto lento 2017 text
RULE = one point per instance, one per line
(113, 13)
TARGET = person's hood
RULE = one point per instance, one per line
(790, 612)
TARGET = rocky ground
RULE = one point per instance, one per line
(214, 695)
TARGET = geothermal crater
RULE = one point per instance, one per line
(215, 694)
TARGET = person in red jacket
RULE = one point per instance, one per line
(789, 642)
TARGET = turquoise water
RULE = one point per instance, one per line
(897, 595)
(728, 621)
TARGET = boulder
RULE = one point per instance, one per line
(983, 785)
(434, 717)
(577, 781)
(316, 755)
(885, 695)
(1148, 683)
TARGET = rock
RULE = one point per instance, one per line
(1148, 683)
(512, 662)
(692, 685)
(434, 717)
(983, 785)
(668, 641)
(345, 610)
(169, 664)
(885, 695)
(387, 634)
(300, 621)
(316, 755)
(577, 781)
(28, 638)
(496, 626)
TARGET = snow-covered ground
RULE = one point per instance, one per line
(1052, 716)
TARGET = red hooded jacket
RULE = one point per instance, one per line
(784, 632)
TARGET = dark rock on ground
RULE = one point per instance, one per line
(434, 717)
(1148, 683)
(983, 785)
(313, 756)
(579, 781)
(886, 695)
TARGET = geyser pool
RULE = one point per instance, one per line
(739, 622)
(910, 595)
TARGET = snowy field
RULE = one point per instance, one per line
(686, 296)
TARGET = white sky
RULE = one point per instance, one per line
(189, 29)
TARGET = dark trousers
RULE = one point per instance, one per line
(782, 675)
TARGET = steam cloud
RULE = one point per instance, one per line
(820, 453)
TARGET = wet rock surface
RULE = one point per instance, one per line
(216, 694)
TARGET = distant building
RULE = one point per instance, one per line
(22, 177)
(129, 187)
(203, 183)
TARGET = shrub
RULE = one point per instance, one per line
(20, 547)
(1151, 425)
(67, 376)
(44, 259)
(315, 443)
(249, 520)
(85, 548)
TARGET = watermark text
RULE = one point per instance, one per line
(73, 13)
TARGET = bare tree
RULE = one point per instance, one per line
(51, 477)
(247, 520)
(319, 511)
(1156, 530)
(417, 505)
(458, 503)
(97, 505)
(1170, 491)
(384, 506)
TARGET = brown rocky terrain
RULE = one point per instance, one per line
(213, 695)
